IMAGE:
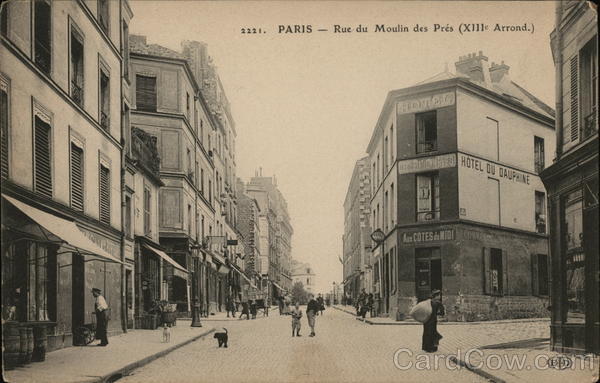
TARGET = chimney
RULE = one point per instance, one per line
(137, 40)
(260, 171)
(498, 71)
(475, 66)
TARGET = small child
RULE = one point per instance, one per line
(296, 316)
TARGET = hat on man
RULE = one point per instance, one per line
(435, 292)
(96, 290)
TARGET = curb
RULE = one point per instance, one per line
(442, 323)
(119, 373)
(478, 371)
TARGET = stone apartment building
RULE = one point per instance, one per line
(357, 265)
(61, 104)
(302, 272)
(455, 164)
(572, 182)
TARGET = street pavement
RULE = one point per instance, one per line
(344, 350)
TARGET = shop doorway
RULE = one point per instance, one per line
(428, 271)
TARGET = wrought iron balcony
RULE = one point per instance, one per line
(590, 126)
(145, 150)
(77, 93)
(427, 146)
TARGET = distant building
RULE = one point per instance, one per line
(302, 272)
(455, 188)
(572, 182)
(357, 265)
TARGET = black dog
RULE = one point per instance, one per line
(222, 337)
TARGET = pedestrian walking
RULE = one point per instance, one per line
(360, 302)
(311, 312)
(321, 304)
(280, 304)
(253, 309)
(101, 318)
(245, 310)
(431, 337)
(370, 303)
(296, 316)
(230, 306)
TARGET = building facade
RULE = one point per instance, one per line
(61, 92)
(302, 272)
(455, 188)
(357, 266)
(572, 182)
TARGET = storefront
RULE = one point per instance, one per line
(49, 265)
(484, 273)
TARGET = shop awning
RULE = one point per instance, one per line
(278, 286)
(218, 258)
(178, 270)
(63, 231)
(244, 276)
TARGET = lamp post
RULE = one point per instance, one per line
(195, 293)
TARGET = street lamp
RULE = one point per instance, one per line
(196, 305)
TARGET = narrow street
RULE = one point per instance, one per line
(344, 350)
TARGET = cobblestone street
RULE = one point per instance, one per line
(344, 350)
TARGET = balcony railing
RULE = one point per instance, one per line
(428, 215)
(77, 93)
(145, 151)
(427, 146)
(589, 125)
(104, 120)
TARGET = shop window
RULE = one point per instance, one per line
(539, 274)
(42, 158)
(77, 178)
(42, 30)
(495, 267)
(426, 132)
(540, 212)
(29, 282)
(76, 66)
(104, 192)
(538, 153)
(574, 258)
(428, 197)
(145, 93)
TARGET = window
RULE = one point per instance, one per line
(77, 179)
(426, 132)
(127, 228)
(103, 14)
(125, 50)
(4, 122)
(392, 206)
(386, 151)
(104, 99)
(588, 81)
(42, 158)
(538, 153)
(539, 274)
(196, 172)
(189, 220)
(145, 93)
(385, 213)
(147, 212)
(428, 197)
(210, 191)
(540, 212)
(391, 150)
(4, 20)
(202, 131)
(494, 263)
(190, 171)
(104, 195)
(202, 181)
(42, 46)
(574, 257)
(187, 106)
(76, 66)
(29, 281)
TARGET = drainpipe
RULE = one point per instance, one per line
(558, 58)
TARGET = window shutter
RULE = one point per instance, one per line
(487, 277)
(145, 92)
(42, 167)
(4, 130)
(104, 195)
(146, 211)
(535, 283)
(504, 273)
(423, 193)
(574, 99)
(76, 177)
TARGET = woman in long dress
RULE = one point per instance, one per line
(431, 337)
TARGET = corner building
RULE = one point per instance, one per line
(455, 188)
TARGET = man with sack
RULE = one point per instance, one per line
(431, 337)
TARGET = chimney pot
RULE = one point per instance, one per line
(480, 53)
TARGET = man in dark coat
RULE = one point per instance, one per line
(311, 312)
(100, 307)
(431, 338)
(321, 304)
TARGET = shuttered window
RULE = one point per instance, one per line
(147, 217)
(145, 93)
(574, 99)
(104, 195)
(42, 163)
(104, 100)
(76, 177)
(4, 129)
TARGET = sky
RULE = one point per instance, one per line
(305, 104)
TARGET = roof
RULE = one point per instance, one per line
(137, 46)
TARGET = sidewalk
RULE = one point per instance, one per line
(124, 353)
(222, 316)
